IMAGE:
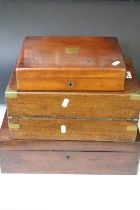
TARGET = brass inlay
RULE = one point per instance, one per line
(131, 128)
(72, 50)
(9, 93)
(14, 126)
(135, 96)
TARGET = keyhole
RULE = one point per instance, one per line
(70, 84)
(68, 157)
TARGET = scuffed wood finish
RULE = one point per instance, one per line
(52, 63)
(69, 162)
(81, 104)
(77, 84)
(6, 143)
(83, 157)
(76, 129)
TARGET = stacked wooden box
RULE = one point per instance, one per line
(73, 88)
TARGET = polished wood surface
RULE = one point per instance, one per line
(120, 105)
(6, 143)
(75, 129)
(67, 156)
(68, 162)
(71, 84)
(70, 63)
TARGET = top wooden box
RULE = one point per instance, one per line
(71, 63)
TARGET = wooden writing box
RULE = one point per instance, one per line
(71, 157)
(71, 63)
(120, 105)
(86, 116)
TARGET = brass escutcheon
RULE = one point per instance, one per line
(70, 84)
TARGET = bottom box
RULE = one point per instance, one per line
(69, 162)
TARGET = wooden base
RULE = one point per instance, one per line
(73, 157)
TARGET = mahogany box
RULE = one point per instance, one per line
(70, 63)
(65, 115)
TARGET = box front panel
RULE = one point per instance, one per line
(72, 129)
(103, 84)
(69, 162)
(84, 105)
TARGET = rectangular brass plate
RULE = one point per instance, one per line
(9, 93)
(72, 50)
(131, 128)
(135, 96)
(14, 126)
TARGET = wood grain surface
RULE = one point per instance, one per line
(69, 162)
(74, 129)
(7, 143)
(84, 157)
(52, 63)
(120, 105)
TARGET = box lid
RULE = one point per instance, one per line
(71, 57)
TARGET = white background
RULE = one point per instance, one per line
(68, 192)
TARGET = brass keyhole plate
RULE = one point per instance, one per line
(70, 84)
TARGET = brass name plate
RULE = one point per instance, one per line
(72, 50)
